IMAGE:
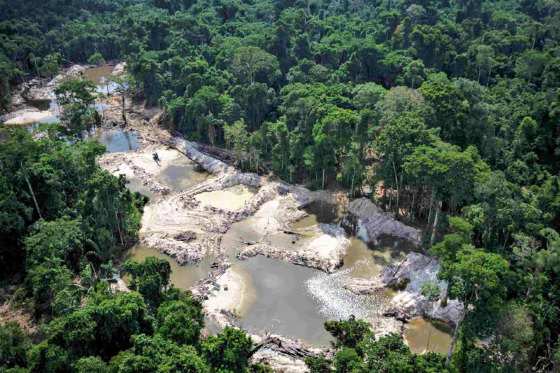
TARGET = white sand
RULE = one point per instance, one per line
(232, 199)
(30, 117)
(236, 293)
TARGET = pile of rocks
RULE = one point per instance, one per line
(369, 222)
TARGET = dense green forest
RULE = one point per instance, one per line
(454, 105)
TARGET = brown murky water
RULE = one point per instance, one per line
(239, 234)
(182, 175)
(99, 74)
(136, 185)
(282, 304)
(422, 336)
(183, 277)
(232, 198)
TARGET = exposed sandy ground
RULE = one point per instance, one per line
(233, 292)
(25, 117)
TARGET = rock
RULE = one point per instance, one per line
(37, 90)
(185, 236)
(210, 164)
(283, 354)
(189, 252)
(361, 286)
(398, 314)
(399, 283)
(325, 252)
(369, 222)
(28, 116)
(119, 69)
(418, 269)
(279, 362)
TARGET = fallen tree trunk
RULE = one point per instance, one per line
(284, 346)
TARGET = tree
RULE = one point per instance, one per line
(457, 110)
(180, 320)
(206, 113)
(90, 365)
(46, 357)
(96, 59)
(77, 97)
(13, 346)
(449, 174)
(49, 65)
(252, 64)
(228, 351)
(156, 354)
(367, 95)
(396, 142)
(485, 61)
(51, 287)
(58, 239)
(359, 351)
(122, 83)
(102, 327)
(256, 101)
(478, 279)
(150, 278)
(237, 139)
(414, 74)
(349, 332)
(401, 100)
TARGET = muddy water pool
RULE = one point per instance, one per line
(232, 198)
(422, 335)
(183, 277)
(117, 139)
(182, 174)
(50, 110)
(100, 76)
(282, 304)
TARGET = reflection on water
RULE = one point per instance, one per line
(100, 76)
(323, 212)
(134, 184)
(305, 223)
(424, 336)
(50, 110)
(232, 198)
(367, 262)
(183, 277)
(282, 304)
(243, 233)
(182, 174)
(240, 234)
(117, 140)
(361, 260)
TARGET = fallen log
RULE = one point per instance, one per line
(284, 346)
